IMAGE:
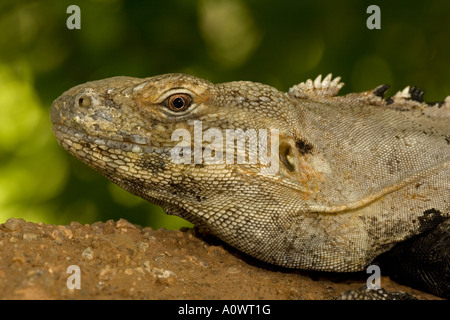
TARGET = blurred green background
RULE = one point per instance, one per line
(279, 43)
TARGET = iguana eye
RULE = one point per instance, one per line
(179, 102)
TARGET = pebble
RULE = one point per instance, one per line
(232, 270)
(30, 237)
(57, 236)
(106, 273)
(14, 224)
(142, 246)
(128, 271)
(122, 223)
(88, 253)
(66, 231)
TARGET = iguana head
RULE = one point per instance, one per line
(160, 137)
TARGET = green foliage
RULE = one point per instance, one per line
(276, 42)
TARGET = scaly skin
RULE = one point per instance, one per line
(355, 174)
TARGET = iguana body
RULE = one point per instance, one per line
(357, 174)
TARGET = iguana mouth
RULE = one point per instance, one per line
(66, 136)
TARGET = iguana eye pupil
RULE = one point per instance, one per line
(179, 102)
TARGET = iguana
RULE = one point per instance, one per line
(304, 179)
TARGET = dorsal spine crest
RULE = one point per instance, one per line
(327, 87)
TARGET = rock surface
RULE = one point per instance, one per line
(119, 260)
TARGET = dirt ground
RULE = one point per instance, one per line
(119, 260)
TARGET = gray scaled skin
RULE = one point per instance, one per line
(356, 174)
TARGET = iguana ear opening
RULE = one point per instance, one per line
(287, 157)
(298, 163)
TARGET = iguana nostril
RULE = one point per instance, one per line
(84, 102)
